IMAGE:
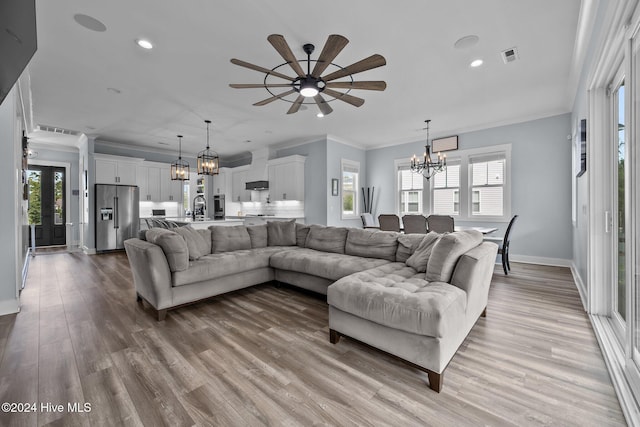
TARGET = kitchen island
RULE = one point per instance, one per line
(231, 221)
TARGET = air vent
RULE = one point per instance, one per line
(55, 129)
(509, 55)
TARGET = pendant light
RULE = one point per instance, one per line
(179, 168)
(208, 160)
(428, 166)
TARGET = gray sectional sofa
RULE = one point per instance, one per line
(413, 296)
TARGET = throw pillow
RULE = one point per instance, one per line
(281, 233)
(226, 239)
(196, 243)
(421, 255)
(327, 239)
(407, 244)
(301, 234)
(173, 245)
(447, 251)
(258, 235)
(372, 244)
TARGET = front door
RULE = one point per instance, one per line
(47, 200)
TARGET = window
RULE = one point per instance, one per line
(446, 189)
(350, 184)
(410, 187)
(474, 185)
(487, 185)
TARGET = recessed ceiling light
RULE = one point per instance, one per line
(145, 44)
(466, 41)
(89, 22)
(476, 63)
(320, 115)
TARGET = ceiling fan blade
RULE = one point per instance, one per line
(323, 105)
(296, 105)
(365, 85)
(273, 98)
(257, 85)
(261, 69)
(374, 61)
(349, 99)
(334, 45)
(281, 45)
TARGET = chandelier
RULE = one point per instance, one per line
(208, 161)
(428, 167)
(179, 168)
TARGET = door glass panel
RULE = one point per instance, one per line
(35, 197)
(58, 195)
(619, 246)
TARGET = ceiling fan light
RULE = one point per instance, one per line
(308, 91)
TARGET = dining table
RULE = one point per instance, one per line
(483, 230)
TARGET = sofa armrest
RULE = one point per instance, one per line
(473, 274)
(151, 274)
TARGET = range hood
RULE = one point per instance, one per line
(257, 185)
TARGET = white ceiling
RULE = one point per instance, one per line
(185, 79)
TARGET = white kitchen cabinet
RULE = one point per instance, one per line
(286, 178)
(116, 170)
(170, 191)
(239, 192)
(149, 180)
(219, 183)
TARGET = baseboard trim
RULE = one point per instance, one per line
(88, 251)
(582, 289)
(614, 359)
(554, 262)
(9, 307)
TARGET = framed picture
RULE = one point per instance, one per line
(583, 147)
(334, 186)
(444, 144)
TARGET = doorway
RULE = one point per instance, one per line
(47, 204)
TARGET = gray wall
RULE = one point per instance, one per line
(541, 182)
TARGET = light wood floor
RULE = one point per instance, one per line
(262, 356)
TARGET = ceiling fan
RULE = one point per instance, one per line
(311, 84)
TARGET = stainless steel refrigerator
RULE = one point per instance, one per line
(117, 215)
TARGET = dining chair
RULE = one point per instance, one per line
(440, 223)
(368, 221)
(503, 245)
(414, 224)
(389, 222)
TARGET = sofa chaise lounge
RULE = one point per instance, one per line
(413, 296)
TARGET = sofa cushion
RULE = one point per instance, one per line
(407, 244)
(281, 233)
(446, 252)
(397, 296)
(214, 266)
(326, 239)
(199, 244)
(328, 265)
(173, 245)
(258, 235)
(301, 234)
(226, 239)
(420, 257)
(371, 243)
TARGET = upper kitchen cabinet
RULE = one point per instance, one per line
(148, 180)
(286, 178)
(116, 169)
(219, 186)
(239, 193)
(170, 190)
